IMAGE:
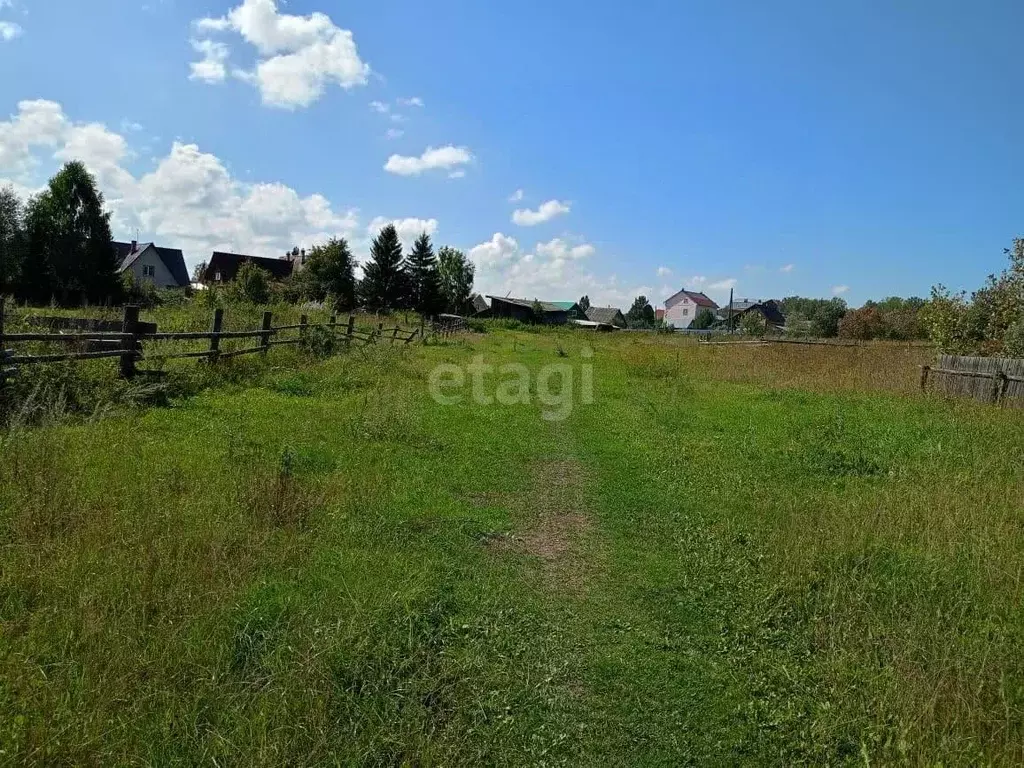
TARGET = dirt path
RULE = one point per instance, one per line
(554, 526)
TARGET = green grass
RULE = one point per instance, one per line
(722, 560)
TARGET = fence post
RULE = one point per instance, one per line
(268, 318)
(999, 386)
(218, 323)
(925, 370)
(303, 320)
(129, 344)
(3, 353)
(351, 326)
(333, 325)
(394, 334)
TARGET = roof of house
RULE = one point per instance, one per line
(230, 262)
(740, 305)
(770, 310)
(479, 303)
(128, 253)
(698, 298)
(566, 305)
(546, 306)
(604, 314)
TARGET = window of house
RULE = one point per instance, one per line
(686, 312)
(216, 276)
(148, 270)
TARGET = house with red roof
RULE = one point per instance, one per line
(681, 308)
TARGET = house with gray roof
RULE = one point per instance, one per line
(607, 316)
(148, 262)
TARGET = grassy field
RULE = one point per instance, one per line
(756, 555)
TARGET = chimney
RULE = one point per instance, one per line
(135, 244)
(303, 256)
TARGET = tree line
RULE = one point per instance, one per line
(58, 245)
(421, 281)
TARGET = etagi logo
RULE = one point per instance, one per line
(554, 385)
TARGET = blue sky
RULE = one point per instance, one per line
(864, 148)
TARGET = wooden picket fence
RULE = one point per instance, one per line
(126, 343)
(989, 379)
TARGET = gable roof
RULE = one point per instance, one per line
(546, 306)
(697, 297)
(228, 263)
(128, 253)
(769, 310)
(479, 303)
(607, 315)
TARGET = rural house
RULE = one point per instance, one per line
(552, 313)
(607, 316)
(480, 306)
(769, 310)
(146, 262)
(223, 267)
(681, 308)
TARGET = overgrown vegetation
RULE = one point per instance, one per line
(324, 566)
(991, 322)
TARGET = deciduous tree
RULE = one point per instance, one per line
(455, 273)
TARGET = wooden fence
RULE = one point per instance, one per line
(989, 379)
(125, 344)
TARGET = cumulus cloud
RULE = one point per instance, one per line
(212, 68)
(447, 158)
(394, 133)
(414, 101)
(546, 212)
(189, 200)
(787, 268)
(664, 271)
(838, 290)
(298, 56)
(697, 280)
(516, 196)
(408, 229)
(554, 270)
(723, 285)
(9, 30)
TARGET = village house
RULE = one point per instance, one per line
(223, 267)
(149, 263)
(682, 308)
(607, 316)
(551, 313)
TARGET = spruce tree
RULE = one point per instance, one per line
(383, 287)
(424, 284)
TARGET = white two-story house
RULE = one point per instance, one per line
(681, 308)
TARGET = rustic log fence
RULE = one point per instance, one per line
(126, 343)
(994, 380)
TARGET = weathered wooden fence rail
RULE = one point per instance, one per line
(989, 379)
(126, 342)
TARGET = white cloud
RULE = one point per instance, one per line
(212, 67)
(394, 133)
(546, 212)
(448, 157)
(723, 285)
(189, 200)
(787, 268)
(560, 249)
(460, 173)
(552, 271)
(664, 271)
(840, 289)
(516, 196)
(9, 30)
(380, 107)
(414, 101)
(408, 229)
(697, 280)
(299, 55)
